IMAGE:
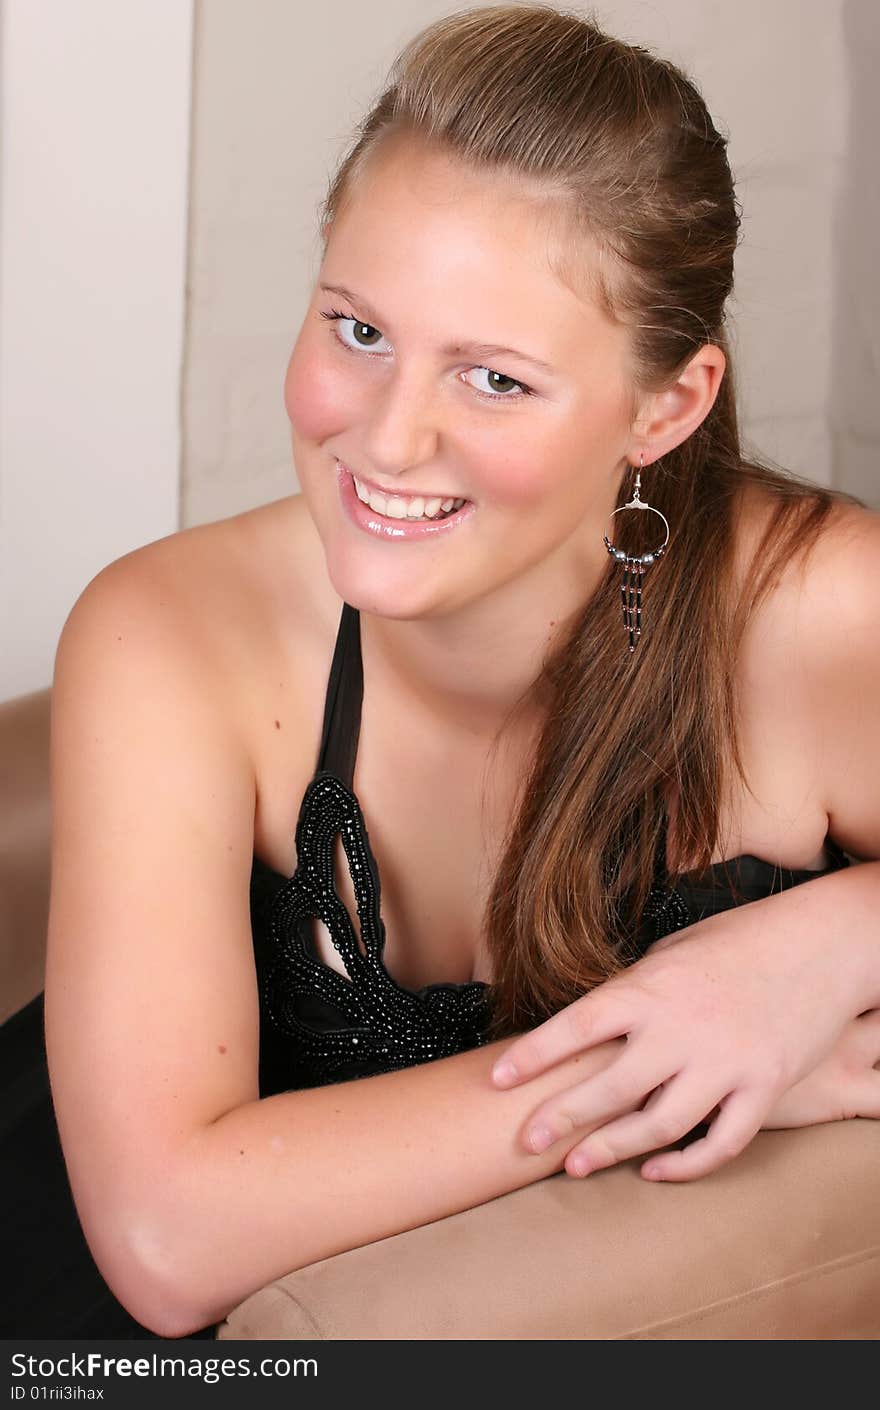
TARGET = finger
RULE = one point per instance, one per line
(618, 1088)
(738, 1121)
(671, 1112)
(587, 1022)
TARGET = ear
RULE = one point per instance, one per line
(668, 417)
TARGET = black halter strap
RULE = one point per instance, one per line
(342, 704)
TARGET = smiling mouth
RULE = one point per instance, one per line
(410, 507)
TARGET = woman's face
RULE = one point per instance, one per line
(433, 258)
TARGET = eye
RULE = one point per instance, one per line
(359, 330)
(362, 332)
(501, 393)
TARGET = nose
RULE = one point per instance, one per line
(401, 432)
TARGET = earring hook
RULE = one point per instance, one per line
(635, 502)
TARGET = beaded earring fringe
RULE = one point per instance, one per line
(634, 567)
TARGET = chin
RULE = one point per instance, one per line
(378, 600)
(380, 594)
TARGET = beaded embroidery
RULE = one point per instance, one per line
(665, 911)
(387, 1026)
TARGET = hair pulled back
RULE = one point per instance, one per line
(627, 152)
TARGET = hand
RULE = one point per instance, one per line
(720, 1020)
(846, 1083)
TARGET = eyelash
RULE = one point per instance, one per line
(525, 391)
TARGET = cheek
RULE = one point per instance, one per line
(518, 476)
(314, 393)
(558, 465)
(514, 480)
(503, 459)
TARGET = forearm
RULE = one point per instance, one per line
(281, 1183)
(841, 912)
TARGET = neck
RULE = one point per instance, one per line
(468, 669)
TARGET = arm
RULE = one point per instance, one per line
(192, 1192)
(303, 1175)
(732, 1013)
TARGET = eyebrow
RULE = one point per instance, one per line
(477, 350)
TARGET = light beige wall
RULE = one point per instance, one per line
(94, 111)
(277, 90)
(855, 379)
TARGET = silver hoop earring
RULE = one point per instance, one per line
(635, 565)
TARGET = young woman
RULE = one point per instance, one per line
(373, 806)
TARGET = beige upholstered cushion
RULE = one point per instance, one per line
(782, 1243)
(24, 848)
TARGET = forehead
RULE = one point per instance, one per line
(486, 254)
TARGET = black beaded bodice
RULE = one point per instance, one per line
(367, 1023)
(316, 1025)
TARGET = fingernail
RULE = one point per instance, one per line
(652, 1172)
(540, 1138)
(578, 1165)
(504, 1072)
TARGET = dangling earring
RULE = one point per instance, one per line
(634, 566)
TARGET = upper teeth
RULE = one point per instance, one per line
(395, 507)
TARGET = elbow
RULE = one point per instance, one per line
(166, 1312)
(161, 1313)
(163, 1288)
(151, 1237)
(149, 1274)
(172, 1322)
(155, 1242)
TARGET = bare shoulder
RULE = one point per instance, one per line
(814, 607)
(839, 585)
(251, 572)
(252, 595)
(808, 672)
(249, 596)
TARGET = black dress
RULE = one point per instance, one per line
(316, 1026)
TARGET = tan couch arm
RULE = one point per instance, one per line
(782, 1243)
(24, 848)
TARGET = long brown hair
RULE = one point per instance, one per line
(624, 144)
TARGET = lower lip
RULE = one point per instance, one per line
(379, 524)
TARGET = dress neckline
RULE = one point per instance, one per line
(743, 862)
(739, 863)
(340, 735)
